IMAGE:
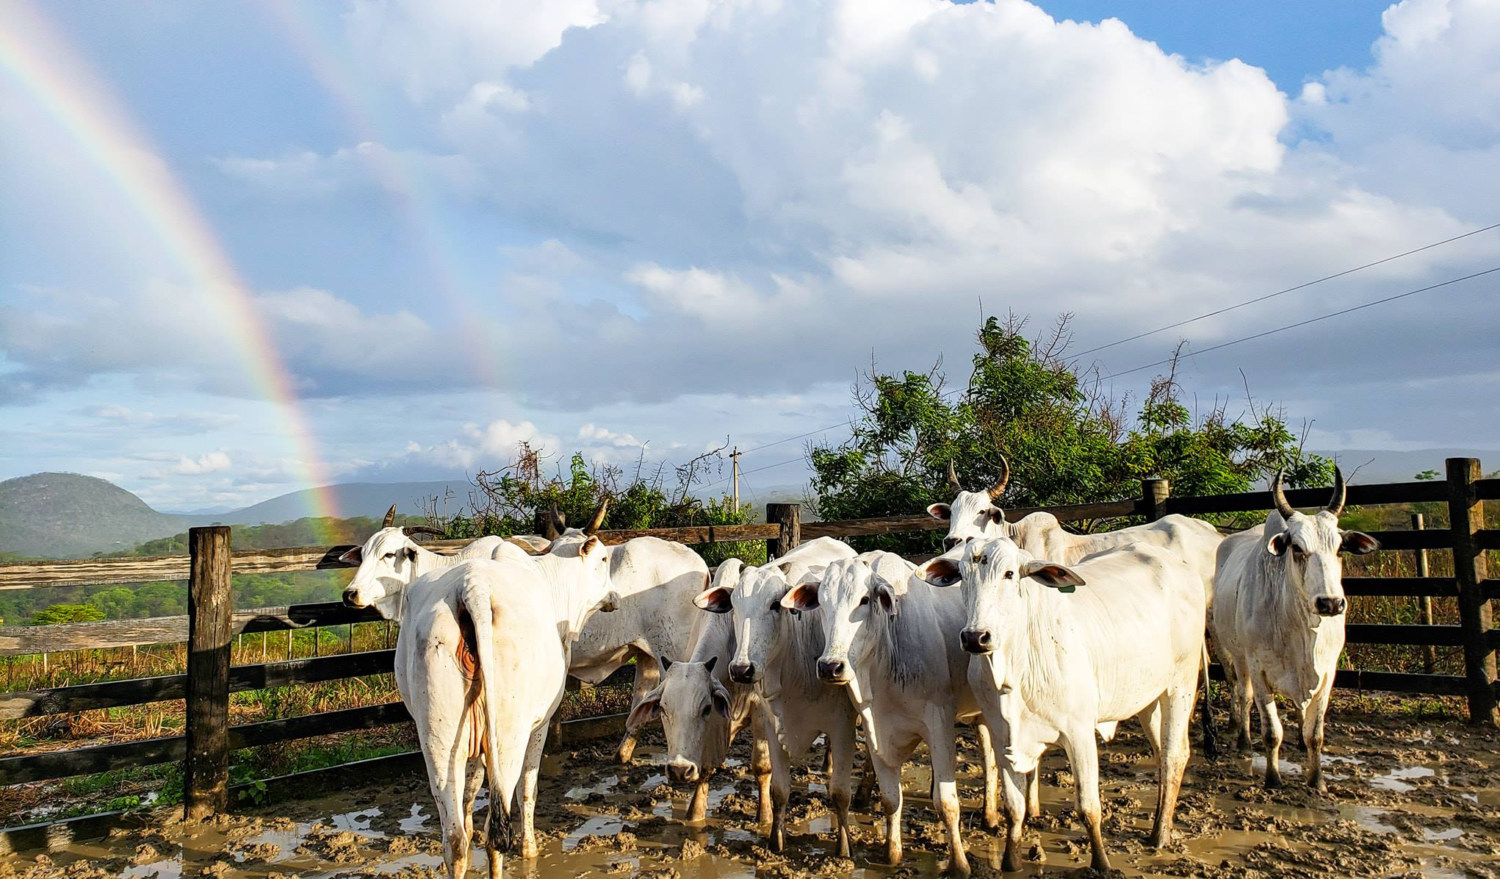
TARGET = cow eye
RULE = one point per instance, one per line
(1298, 551)
(1010, 575)
(706, 709)
(775, 606)
(388, 556)
(864, 601)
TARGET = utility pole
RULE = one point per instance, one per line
(734, 469)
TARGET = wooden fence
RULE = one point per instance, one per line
(212, 624)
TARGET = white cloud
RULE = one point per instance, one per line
(212, 462)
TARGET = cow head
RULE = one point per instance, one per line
(973, 513)
(854, 597)
(581, 578)
(753, 595)
(388, 562)
(1310, 547)
(992, 573)
(694, 710)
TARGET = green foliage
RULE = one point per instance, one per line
(1066, 441)
(67, 613)
(1426, 475)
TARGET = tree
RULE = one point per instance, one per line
(1065, 439)
(67, 613)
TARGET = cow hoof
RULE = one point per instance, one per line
(1100, 862)
(1011, 862)
(778, 840)
(1243, 745)
(1273, 781)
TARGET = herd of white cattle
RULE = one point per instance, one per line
(1052, 638)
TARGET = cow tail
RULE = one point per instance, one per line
(475, 600)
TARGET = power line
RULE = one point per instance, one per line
(790, 438)
(744, 473)
(1331, 277)
(1303, 323)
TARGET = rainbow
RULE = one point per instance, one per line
(35, 56)
(415, 201)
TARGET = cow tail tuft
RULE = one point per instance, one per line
(475, 599)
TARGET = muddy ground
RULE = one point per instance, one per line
(1407, 797)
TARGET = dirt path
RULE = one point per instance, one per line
(1406, 798)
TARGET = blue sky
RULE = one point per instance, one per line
(606, 225)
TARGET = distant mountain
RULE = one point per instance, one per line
(349, 499)
(67, 515)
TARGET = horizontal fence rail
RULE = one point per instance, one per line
(1462, 492)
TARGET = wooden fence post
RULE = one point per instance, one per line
(210, 624)
(1154, 493)
(1466, 517)
(789, 517)
(1429, 661)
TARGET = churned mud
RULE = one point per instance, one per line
(1407, 797)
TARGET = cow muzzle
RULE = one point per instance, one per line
(742, 672)
(833, 671)
(351, 598)
(682, 772)
(950, 542)
(1330, 607)
(977, 641)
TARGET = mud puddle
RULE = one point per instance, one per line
(1403, 800)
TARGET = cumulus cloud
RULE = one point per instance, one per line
(209, 463)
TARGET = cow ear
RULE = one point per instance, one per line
(589, 546)
(720, 698)
(715, 600)
(803, 596)
(940, 571)
(940, 511)
(1358, 543)
(411, 553)
(709, 665)
(647, 710)
(886, 596)
(1278, 543)
(354, 557)
(1059, 577)
(666, 664)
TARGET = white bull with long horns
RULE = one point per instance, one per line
(1278, 620)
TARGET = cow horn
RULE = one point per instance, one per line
(999, 488)
(390, 517)
(953, 478)
(1340, 493)
(598, 520)
(409, 530)
(1282, 507)
(552, 524)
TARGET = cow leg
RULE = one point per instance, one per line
(991, 778)
(1312, 734)
(1210, 734)
(448, 796)
(1243, 693)
(943, 747)
(840, 783)
(781, 791)
(532, 768)
(647, 675)
(697, 809)
(865, 793)
(1270, 723)
(760, 764)
(890, 800)
(1083, 755)
(1176, 710)
(1034, 792)
(1013, 784)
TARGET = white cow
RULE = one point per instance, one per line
(390, 559)
(481, 663)
(975, 514)
(657, 581)
(891, 641)
(1126, 643)
(701, 710)
(777, 651)
(1278, 620)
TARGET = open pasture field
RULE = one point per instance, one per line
(1408, 795)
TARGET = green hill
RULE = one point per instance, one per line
(67, 515)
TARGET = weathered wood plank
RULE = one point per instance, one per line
(788, 521)
(1406, 540)
(324, 723)
(1487, 539)
(205, 775)
(1385, 681)
(872, 526)
(1308, 498)
(1487, 489)
(140, 691)
(1380, 633)
(1470, 569)
(1440, 587)
(85, 761)
(171, 630)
